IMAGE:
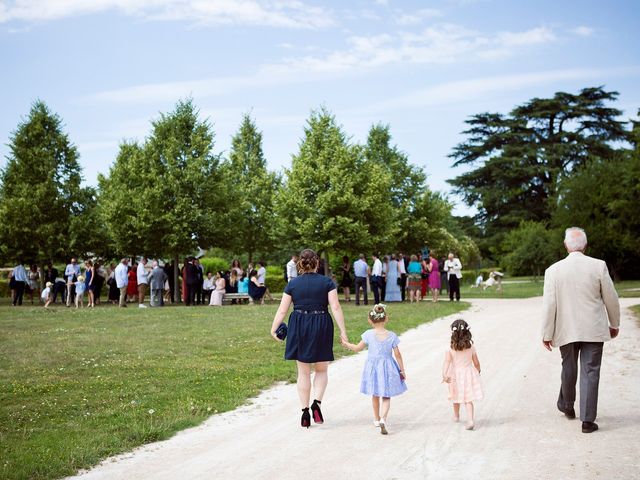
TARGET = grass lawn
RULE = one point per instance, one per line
(524, 287)
(77, 386)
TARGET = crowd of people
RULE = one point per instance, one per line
(395, 277)
(130, 280)
(390, 278)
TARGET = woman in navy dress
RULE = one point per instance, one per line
(310, 330)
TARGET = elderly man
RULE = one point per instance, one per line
(581, 312)
(122, 280)
(453, 267)
(156, 278)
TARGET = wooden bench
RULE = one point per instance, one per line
(228, 297)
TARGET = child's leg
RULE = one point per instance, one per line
(456, 412)
(470, 419)
(375, 402)
(386, 404)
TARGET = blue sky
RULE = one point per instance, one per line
(107, 67)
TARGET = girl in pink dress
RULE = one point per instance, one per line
(461, 371)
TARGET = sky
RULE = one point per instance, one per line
(109, 67)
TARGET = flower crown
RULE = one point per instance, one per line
(378, 315)
(462, 327)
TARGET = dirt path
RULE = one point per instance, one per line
(519, 432)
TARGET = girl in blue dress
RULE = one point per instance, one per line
(382, 377)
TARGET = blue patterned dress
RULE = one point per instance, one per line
(381, 375)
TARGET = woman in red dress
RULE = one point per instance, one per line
(132, 286)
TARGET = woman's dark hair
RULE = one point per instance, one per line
(308, 261)
(460, 335)
(253, 273)
(345, 259)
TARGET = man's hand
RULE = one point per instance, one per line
(547, 344)
(614, 332)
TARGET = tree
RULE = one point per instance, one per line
(532, 248)
(40, 190)
(432, 224)
(167, 197)
(255, 189)
(334, 199)
(526, 155)
(407, 181)
(122, 196)
(603, 199)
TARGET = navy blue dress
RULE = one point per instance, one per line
(310, 328)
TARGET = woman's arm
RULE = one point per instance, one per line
(445, 367)
(285, 303)
(354, 348)
(476, 362)
(398, 355)
(336, 308)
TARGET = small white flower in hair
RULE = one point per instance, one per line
(454, 328)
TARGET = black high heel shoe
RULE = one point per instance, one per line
(305, 421)
(317, 413)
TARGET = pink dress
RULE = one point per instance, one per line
(465, 385)
(434, 276)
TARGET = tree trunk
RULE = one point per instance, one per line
(250, 256)
(327, 269)
(176, 286)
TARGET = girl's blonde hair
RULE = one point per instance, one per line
(378, 314)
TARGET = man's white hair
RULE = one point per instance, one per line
(575, 239)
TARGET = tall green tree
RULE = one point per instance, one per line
(408, 182)
(254, 189)
(519, 160)
(171, 189)
(603, 199)
(333, 199)
(40, 190)
(122, 198)
(532, 247)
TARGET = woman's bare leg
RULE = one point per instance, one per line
(320, 379)
(304, 383)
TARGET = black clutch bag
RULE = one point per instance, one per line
(281, 332)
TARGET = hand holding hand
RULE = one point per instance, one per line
(547, 344)
(343, 338)
(614, 332)
(446, 379)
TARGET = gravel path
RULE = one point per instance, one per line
(519, 433)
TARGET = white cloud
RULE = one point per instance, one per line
(417, 17)
(434, 45)
(473, 89)
(275, 13)
(582, 31)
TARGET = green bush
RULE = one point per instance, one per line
(275, 279)
(215, 264)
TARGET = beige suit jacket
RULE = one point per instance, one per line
(579, 302)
